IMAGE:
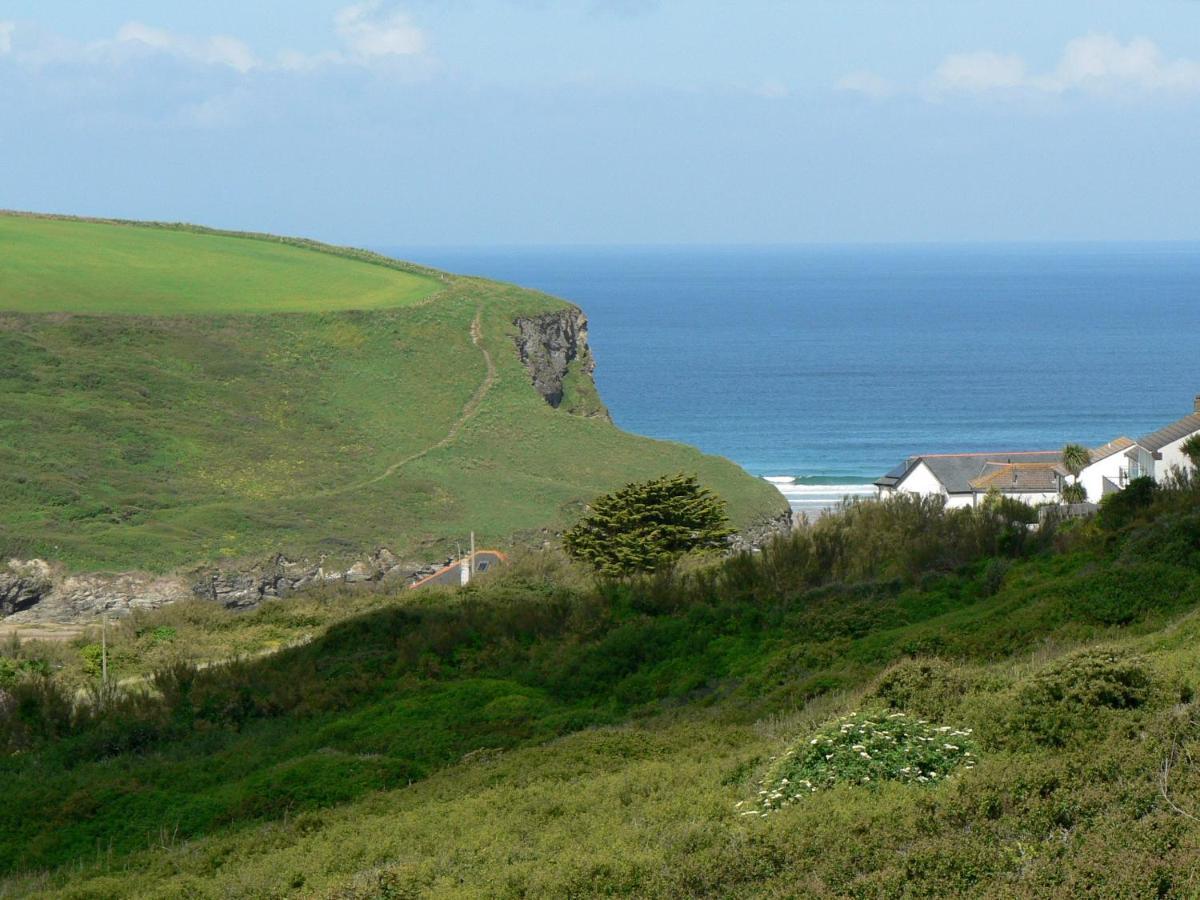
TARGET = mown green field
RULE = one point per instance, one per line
(542, 736)
(76, 266)
(214, 426)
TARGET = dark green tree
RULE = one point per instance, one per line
(647, 526)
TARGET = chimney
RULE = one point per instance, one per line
(1196, 404)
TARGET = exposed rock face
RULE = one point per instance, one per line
(762, 532)
(282, 577)
(548, 344)
(55, 599)
(23, 585)
(30, 592)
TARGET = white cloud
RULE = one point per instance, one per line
(1098, 64)
(980, 71)
(367, 33)
(370, 31)
(1101, 61)
(866, 83)
(219, 50)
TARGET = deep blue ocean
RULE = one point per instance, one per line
(831, 364)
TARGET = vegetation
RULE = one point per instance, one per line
(647, 526)
(1191, 449)
(97, 268)
(1075, 458)
(864, 748)
(276, 396)
(541, 734)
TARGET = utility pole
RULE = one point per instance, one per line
(472, 554)
(104, 651)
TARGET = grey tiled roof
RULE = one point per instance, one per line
(957, 470)
(1171, 433)
(893, 476)
(1116, 445)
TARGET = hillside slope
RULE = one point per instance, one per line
(538, 737)
(172, 396)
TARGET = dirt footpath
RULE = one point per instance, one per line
(41, 631)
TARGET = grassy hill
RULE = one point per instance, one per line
(172, 395)
(79, 266)
(538, 736)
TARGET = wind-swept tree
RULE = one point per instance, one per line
(1075, 458)
(647, 526)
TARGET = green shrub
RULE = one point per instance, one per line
(927, 687)
(1122, 594)
(93, 659)
(861, 748)
(994, 573)
(1121, 508)
(905, 536)
(13, 669)
(1067, 700)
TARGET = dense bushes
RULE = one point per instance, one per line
(906, 537)
(1069, 700)
(397, 693)
(1119, 509)
(926, 687)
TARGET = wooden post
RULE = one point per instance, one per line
(104, 651)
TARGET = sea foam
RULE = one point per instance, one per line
(814, 499)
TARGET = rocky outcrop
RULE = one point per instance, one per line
(548, 345)
(75, 597)
(282, 577)
(30, 592)
(23, 584)
(762, 531)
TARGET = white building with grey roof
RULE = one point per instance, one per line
(1165, 446)
(1038, 476)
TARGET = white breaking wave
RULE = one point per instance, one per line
(813, 499)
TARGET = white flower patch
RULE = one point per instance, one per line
(864, 749)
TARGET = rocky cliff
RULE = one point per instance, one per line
(554, 346)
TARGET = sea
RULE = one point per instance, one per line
(822, 367)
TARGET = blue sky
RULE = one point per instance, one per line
(611, 121)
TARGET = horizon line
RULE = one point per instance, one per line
(786, 245)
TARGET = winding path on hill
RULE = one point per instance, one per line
(469, 411)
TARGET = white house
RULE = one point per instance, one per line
(1112, 467)
(1038, 476)
(1164, 446)
(966, 478)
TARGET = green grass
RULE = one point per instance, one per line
(538, 737)
(165, 440)
(75, 266)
